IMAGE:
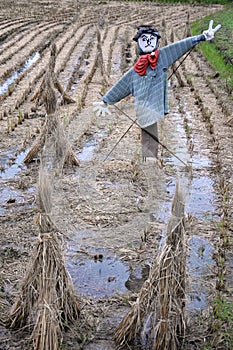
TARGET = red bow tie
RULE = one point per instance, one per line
(144, 61)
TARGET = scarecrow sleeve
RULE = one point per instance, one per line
(120, 90)
(174, 51)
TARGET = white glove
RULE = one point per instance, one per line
(209, 34)
(100, 108)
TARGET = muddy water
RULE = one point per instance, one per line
(110, 275)
(200, 264)
(4, 87)
(11, 165)
(90, 146)
(99, 272)
(200, 199)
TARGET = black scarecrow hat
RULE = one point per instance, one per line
(146, 29)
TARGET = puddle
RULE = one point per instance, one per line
(200, 161)
(137, 277)
(10, 171)
(199, 200)
(96, 272)
(199, 188)
(9, 195)
(199, 262)
(199, 194)
(177, 142)
(90, 146)
(5, 195)
(164, 210)
(17, 73)
(201, 197)
(88, 150)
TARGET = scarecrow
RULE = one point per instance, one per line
(147, 81)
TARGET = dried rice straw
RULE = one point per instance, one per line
(47, 299)
(38, 97)
(53, 125)
(156, 320)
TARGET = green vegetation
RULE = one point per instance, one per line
(219, 53)
(198, 2)
(221, 2)
(222, 324)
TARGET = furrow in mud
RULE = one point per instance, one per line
(29, 45)
(113, 204)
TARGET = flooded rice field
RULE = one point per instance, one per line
(112, 209)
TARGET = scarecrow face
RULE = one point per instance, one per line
(147, 42)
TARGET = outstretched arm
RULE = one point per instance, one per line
(121, 89)
(173, 52)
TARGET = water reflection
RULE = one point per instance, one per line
(9, 171)
(96, 273)
(199, 262)
(4, 87)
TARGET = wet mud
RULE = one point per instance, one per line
(112, 209)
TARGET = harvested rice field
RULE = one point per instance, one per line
(84, 234)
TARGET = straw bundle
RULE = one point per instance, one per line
(100, 60)
(47, 300)
(53, 129)
(53, 126)
(156, 320)
(38, 97)
(46, 295)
